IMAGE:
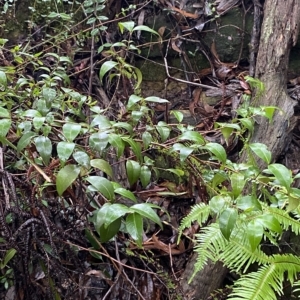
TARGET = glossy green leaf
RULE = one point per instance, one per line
(255, 232)
(226, 131)
(133, 99)
(192, 136)
(178, 172)
(116, 141)
(44, 147)
(136, 116)
(129, 25)
(133, 170)
(107, 233)
(164, 132)
(98, 141)
(217, 150)
(282, 174)
(65, 150)
(138, 76)
(237, 183)
(270, 222)
(184, 151)
(178, 115)
(25, 140)
(8, 256)
(126, 194)
(156, 99)
(248, 124)
(4, 113)
(145, 176)
(3, 81)
(135, 147)
(106, 67)
(49, 94)
(38, 122)
(147, 139)
(293, 199)
(102, 165)
(248, 203)
(218, 203)
(71, 131)
(134, 226)
(82, 158)
(103, 185)
(269, 111)
(145, 28)
(227, 221)
(5, 125)
(124, 125)
(65, 177)
(146, 210)
(261, 151)
(101, 121)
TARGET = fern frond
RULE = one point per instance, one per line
(210, 243)
(200, 213)
(267, 281)
(238, 253)
(285, 219)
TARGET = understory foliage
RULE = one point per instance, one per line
(70, 148)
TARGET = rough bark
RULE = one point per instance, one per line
(205, 282)
(279, 33)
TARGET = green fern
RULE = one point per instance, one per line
(200, 213)
(210, 243)
(267, 281)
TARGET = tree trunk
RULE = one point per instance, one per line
(278, 34)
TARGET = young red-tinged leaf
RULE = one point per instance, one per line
(102, 165)
(116, 141)
(146, 210)
(134, 226)
(65, 150)
(217, 150)
(103, 185)
(227, 221)
(4, 126)
(126, 194)
(237, 184)
(282, 174)
(107, 233)
(44, 147)
(65, 177)
(261, 151)
(106, 67)
(192, 136)
(133, 170)
(71, 131)
(25, 140)
(255, 232)
(145, 176)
